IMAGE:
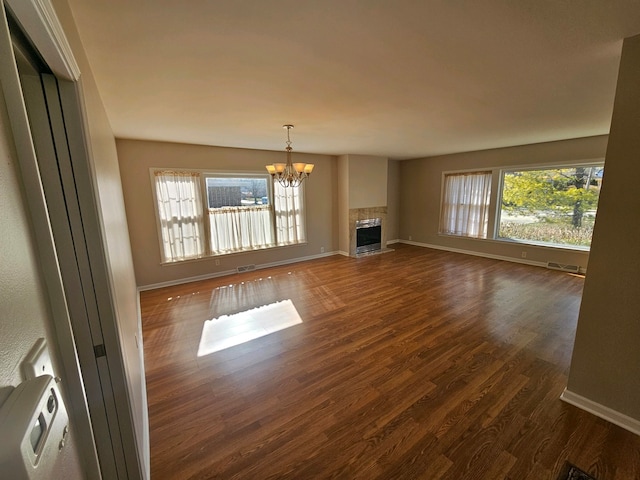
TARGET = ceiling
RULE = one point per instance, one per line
(400, 79)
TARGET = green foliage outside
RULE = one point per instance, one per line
(548, 233)
(552, 206)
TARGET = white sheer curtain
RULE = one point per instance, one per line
(234, 229)
(465, 205)
(179, 199)
(290, 215)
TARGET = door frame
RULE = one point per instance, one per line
(36, 203)
(39, 22)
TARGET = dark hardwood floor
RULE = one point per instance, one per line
(411, 364)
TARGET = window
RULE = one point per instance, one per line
(549, 206)
(289, 210)
(179, 206)
(552, 206)
(242, 212)
(239, 214)
(465, 204)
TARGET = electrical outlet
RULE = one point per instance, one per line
(321, 249)
(524, 254)
(410, 238)
(217, 262)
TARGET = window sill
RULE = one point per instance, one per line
(570, 248)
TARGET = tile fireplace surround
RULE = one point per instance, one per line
(356, 214)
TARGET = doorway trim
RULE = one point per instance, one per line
(39, 22)
(38, 18)
(46, 248)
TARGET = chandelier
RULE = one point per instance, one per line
(289, 174)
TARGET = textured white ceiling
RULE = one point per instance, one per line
(401, 79)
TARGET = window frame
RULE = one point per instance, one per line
(239, 175)
(159, 234)
(490, 206)
(207, 173)
(226, 174)
(495, 203)
(536, 167)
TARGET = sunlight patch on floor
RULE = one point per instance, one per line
(231, 330)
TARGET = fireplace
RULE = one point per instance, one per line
(368, 235)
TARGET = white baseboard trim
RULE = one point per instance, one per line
(396, 240)
(477, 254)
(343, 253)
(606, 413)
(295, 260)
(224, 273)
(171, 283)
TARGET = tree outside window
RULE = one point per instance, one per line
(554, 206)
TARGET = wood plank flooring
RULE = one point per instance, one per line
(411, 364)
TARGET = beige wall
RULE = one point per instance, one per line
(367, 181)
(24, 308)
(117, 247)
(363, 184)
(393, 200)
(605, 367)
(343, 203)
(137, 157)
(420, 194)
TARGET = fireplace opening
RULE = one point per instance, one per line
(368, 235)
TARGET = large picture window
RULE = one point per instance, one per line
(203, 214)
(552, 206)
(549, 206)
